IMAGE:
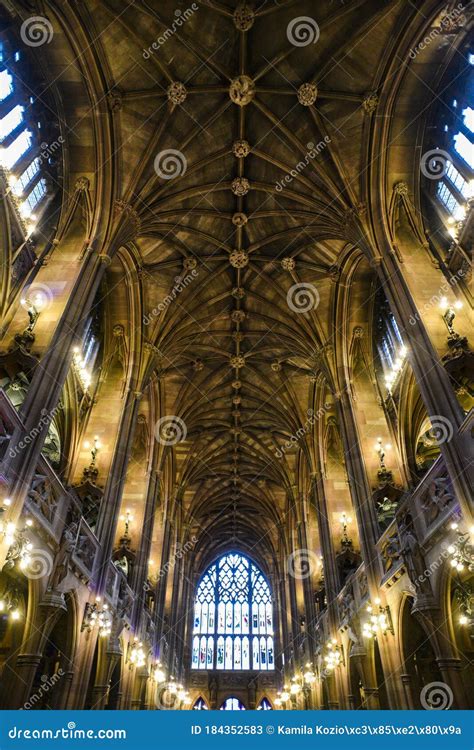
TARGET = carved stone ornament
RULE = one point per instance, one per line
(288, 264)
(240, 186)
(238, 316)
(236, 385)
(307, 94)
(124, 209)
(241, 149)
(82, 183)
(370, 103)
(276, 366)
(242, 90)
(237, 360)
(238, 258)
(400, 188)
(176, 92)
(244, 17)
(114, 100)
(239, 219)
(238, 292)
(189, 264)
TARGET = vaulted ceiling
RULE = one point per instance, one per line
(242, 149)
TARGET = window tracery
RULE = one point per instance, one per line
(233, 617)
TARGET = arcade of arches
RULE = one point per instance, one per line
(236, 374)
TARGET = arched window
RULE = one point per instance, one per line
(264, 705)
(21, 160)
(389, 343)
(456, 185)
(232, 704)
(200, 705)
(233, 617)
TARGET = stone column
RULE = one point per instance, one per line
(450, 669)
(432, 379)
(63, 690)
(408, 692)
(110, 505)
(19, 688)
(143, 552)
(48, 381)
(331, 575)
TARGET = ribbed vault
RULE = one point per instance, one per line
(241, 153)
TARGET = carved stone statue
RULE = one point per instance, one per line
(413, 557)
(64, 555)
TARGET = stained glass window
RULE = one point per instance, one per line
(19, 140)
(456, 185)
(200, 705)
(264, 705)
(233, 617)
(232, 704)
